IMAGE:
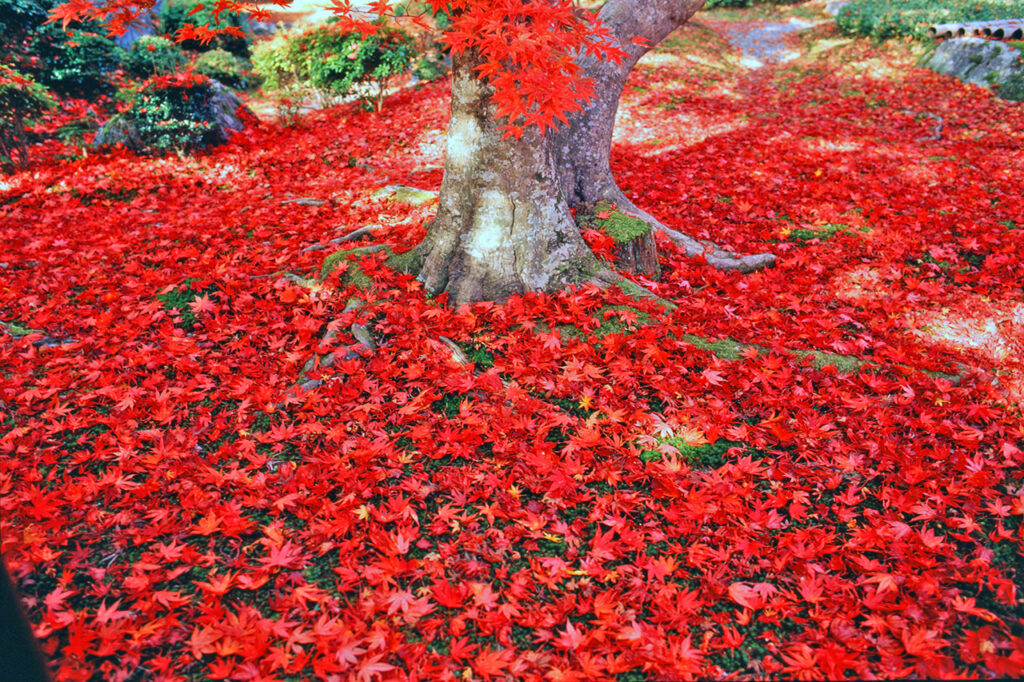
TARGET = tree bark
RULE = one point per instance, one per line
(583, 147)
(504, 224)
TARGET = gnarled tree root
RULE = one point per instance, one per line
(714, 255)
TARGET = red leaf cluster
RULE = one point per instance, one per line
(174, 508)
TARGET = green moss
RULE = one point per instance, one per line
(608, 323)
(847, 364)
(16, 330)
(410, 262)
(727, 348)
(822, 233)
(405, 195)
(619, 226)
(710, 456)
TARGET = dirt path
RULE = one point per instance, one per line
(763, 42)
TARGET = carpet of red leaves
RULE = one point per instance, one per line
(172, 508)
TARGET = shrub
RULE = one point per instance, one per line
(883, 19)
(21, 100)
(222, 66)
(153, 56)
(177, 112)
(77, 62)
(176, 15)
(19, 17)
(330, 62)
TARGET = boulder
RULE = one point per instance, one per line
(987, 63)
(119, 130)
(225, 105)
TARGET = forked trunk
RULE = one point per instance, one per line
(503, 225)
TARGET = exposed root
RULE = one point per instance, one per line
(606, 277)
(937, 127)
(714, 255)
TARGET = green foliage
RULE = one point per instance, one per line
(173, 113)
(153, 56)
(429, 68)
(176, 14)
(328, 61)
(708, 456)
(223, 67)
(18, 17)
(78, 62)
(21, 100)
(883, 19)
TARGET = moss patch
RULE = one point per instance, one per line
(822, 233)
(619, 226)
(17, 330)
(405, 195)
(709, 456)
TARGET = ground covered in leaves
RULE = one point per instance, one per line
(812, 471)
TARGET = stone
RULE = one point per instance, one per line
(225, 105)
(118, 130)
(833, 8)
(977, 61)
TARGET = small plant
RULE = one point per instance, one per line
(223, 67)
(330, 62)
(21, 101)
(153, 56)
(78, 62)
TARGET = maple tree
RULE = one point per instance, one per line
(535, 90)
(780, 477)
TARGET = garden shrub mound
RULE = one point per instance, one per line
(184, 111)
(328, 61)
(223, 67)
(21, 101)
(154, 56)
(615, 502)
(896, 18)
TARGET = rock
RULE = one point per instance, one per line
(405, 195)
(225, 105)
(118, 130)
(977, 61)
(833, 8)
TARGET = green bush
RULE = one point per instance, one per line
(329, 62)
(79, 62)
(176, 14)
(172, 113)
(223, 67)
(21, 101)
(19, 17)
(883, 19)
(710, 4)
(153, 56)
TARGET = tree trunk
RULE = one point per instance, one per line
(583, 147)
(504, 224)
